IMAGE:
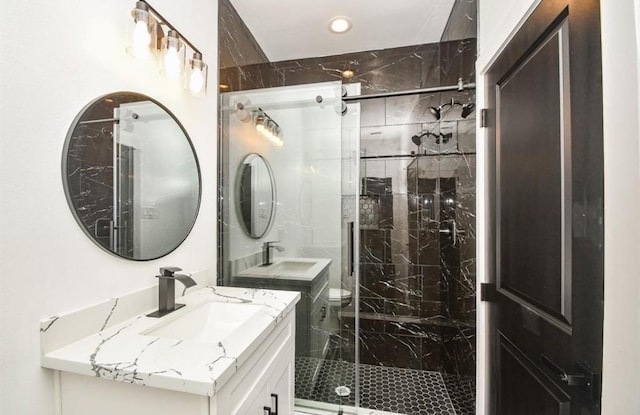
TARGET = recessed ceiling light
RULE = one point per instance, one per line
(340, 24)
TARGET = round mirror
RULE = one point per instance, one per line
(131, 176)
(255, 195)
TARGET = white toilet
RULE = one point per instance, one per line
(339, 298)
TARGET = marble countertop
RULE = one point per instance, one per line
(120, 352)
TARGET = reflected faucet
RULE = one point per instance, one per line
(266, 251)
(167, 290)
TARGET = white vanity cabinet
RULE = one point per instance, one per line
(269, 370)
(135, 366)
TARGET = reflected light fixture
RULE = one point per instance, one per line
(339, 24)
(348, 74)
(349, 69)
(266, 126)
(146, 27)
(242, 113)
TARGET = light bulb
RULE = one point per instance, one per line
(172, 63)
(196, 82)
(141, 39)
(172, 56)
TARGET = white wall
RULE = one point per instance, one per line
(621, 205)
(60, 57)
(497, 21)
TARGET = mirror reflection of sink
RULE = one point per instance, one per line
(291, 268)
(210, 322)
(288, 267)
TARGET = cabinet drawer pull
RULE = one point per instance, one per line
(274, 402)
(267, 410)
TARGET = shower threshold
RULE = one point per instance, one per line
(304, 407)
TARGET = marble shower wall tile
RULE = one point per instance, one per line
(237, 46)
(417, 285)
(457, 59)
(373, 112)
(377, 71)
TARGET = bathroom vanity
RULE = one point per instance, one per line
(227, 351)
(309, 276)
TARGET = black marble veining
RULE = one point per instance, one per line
(385, 70)
(417, 285)
(236, 43)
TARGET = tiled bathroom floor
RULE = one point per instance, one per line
(401, 391)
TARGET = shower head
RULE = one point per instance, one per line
(417, 139)
(467, 109)
(437, 112)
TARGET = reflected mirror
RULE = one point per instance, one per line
(131, 176)
(255, 195)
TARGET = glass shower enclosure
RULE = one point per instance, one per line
(365, 205)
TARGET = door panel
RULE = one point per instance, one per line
(521, 378)
(530, 189)
(544, 122)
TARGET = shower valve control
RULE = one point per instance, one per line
(451, 229)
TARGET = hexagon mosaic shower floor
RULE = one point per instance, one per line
(402, 391)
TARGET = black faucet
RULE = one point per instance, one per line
(266, 251)
(167, 290)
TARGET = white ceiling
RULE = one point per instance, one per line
(294, 29)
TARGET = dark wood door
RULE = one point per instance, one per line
(546, 164)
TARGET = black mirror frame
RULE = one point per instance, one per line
(64, 172)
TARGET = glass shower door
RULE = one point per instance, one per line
(308, 223)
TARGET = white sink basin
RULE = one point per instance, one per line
(210, 322)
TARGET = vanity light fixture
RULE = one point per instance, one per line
(143, 43)
(266, 126)
(142, 33)
(339, 24)
(197, 74)
(172, 56)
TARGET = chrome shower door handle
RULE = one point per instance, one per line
(451, 230)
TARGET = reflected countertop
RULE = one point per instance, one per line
(288, 268)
